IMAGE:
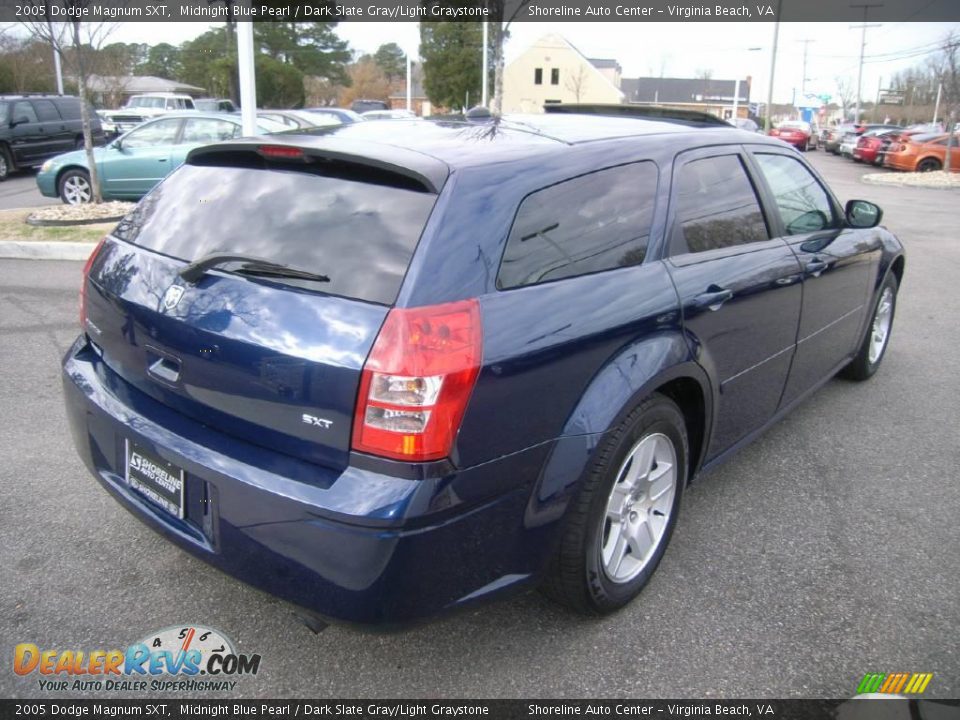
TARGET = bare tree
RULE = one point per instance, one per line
(946, 68)
(844, 95)
(577, 82)
(74, 41)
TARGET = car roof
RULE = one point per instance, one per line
(429, 150)
(462, 143)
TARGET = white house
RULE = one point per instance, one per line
(554, 71)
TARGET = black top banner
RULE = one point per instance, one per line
(857, 709)
(482, 10)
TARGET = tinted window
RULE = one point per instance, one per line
(360, 234)
(538, 76)
(206, 130)
(716, 206)
(46, 111)
(24, 111)
(69, 108)
(591, 223)
(804, 205)
(3, 110)
(555, 76)
(162, 132)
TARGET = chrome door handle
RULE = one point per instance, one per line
(713, 298)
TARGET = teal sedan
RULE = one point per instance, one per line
(132, 164)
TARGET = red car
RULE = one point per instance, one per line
(871, 145)
(796, 133)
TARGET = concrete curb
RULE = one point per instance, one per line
(45, 250)
(872, 179)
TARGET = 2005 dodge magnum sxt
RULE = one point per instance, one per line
(390, 369)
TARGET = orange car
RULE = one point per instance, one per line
(922, 153)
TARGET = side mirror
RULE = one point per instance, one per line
(863, 214)
(22, 120)
(116, 145)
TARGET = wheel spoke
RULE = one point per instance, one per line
(661, 482)
(616, 549)
(641, 540)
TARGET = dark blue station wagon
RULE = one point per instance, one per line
(388, 375)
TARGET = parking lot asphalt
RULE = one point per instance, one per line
(20, 191)
(825, 550)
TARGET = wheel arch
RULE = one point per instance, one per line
(62, 171)
(662, 364)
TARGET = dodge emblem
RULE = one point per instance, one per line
(172, 297)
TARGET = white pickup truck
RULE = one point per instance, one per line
(145, 107)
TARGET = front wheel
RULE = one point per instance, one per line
(875, 341)
(621, 522)
(6, 165)
(75, 187)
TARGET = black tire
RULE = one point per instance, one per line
(6, 164)
(68, 178)
(929, 165)
(862, 367)
(576, 577)
(78, 143)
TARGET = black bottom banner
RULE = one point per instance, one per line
(857, 709)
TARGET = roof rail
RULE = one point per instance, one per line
(691, 117)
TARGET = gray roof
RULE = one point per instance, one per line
(604, 63)
(681, 90)
(132, 84)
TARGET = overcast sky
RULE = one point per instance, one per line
(677, 49)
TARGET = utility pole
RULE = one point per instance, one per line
(863, 44)
(803, 81)
(773, 68)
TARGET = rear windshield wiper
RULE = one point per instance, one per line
(250, 266)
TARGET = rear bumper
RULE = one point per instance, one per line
(353, 545)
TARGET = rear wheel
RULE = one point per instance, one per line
(6, 165)
(874, 344)
(929, 165)
(75, 187)
(621, 521)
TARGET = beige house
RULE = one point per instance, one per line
(554, 71)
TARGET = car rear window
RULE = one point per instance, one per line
(340, 221)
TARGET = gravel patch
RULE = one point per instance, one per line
(939, 180)
(80, 214)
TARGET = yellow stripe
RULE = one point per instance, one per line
(926, 681)
(903, 679)
(914, 681)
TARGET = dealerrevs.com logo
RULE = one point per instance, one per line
(185, 658)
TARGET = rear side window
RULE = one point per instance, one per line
(585, 225)
(69, 108)
(331, 220)
(716, 206)
(46, 111)
(23, 111)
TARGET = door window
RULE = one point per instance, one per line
(584, 225)
(717, 206)
(46, 111)
(162, 132)
(803, 203)
(23, 110)
(207, 130)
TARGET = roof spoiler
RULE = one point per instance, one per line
(644, 112)
(423, 170)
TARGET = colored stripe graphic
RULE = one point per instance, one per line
(894, 683)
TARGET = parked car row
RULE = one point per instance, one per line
(917, 148)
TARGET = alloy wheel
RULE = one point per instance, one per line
(77, 190)
(880, 331)
(638, 508)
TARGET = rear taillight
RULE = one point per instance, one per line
(417, 381)
(83, 283)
